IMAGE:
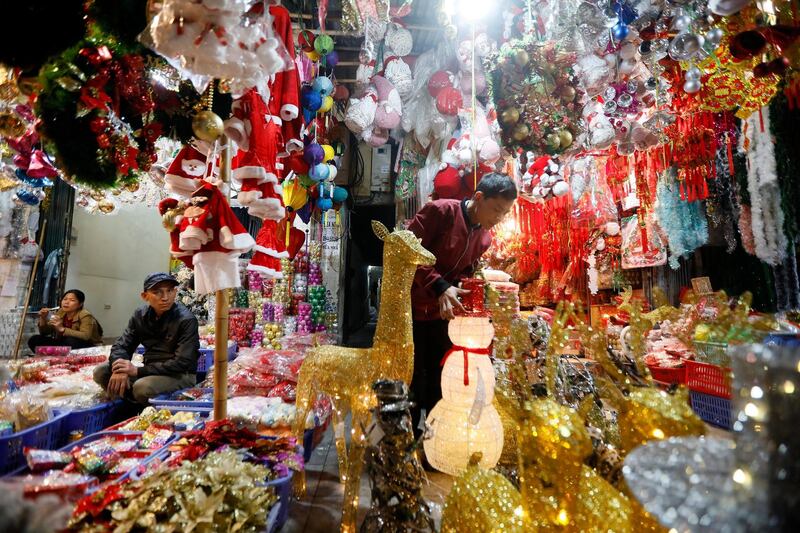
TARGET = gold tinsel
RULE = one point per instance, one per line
(346, 375)
(482, 500)
(557, 490)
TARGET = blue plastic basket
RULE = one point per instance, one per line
(206, 359)
(712, 409)
(283, 489)
(163, 401)
(90, 420)
(45, 436)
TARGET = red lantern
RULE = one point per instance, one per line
(306, 40)
(439, 80)
(449, 101)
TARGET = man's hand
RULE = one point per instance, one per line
(123, 366)
(117, 385)
(58, 323)
(449, 302)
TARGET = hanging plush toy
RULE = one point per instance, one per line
(545, 179)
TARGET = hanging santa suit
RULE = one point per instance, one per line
(216, 264)
(269, 250)
(186, 172)
(284, 98)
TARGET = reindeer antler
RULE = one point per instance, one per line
(380, 230)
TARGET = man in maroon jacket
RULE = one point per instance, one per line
(457, 233)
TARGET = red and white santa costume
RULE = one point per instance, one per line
(216, 264)
(255, 167)
(284, 98)
(187, 171)
(269, 250)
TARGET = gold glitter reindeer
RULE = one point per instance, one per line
(346, 375)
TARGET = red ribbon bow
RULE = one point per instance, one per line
(465, 351)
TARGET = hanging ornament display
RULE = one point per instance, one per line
(533, 86)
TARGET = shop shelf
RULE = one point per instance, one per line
(712, 409)
(708, 379)
(45, 436)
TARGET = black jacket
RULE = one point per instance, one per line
(171, 343)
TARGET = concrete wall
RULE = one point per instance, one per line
(109, 258)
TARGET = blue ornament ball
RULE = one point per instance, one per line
(620, 31)
(339, 195)
(320, 172)
(332, 59)
(310, 99)
(313, 154)
(323, 85)
(325, 204)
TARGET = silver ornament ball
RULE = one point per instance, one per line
(693, 73)
(692, 86)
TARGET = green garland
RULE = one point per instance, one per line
(783, 127)
(66, 135)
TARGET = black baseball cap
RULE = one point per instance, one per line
(158, 277)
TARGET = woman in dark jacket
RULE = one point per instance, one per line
(71, 325)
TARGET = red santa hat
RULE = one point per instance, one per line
(186, 171)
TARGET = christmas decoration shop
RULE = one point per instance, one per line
(399, 266)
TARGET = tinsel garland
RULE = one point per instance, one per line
(787, 285)
(684, 223)
(722, 206)
(762, 184)
(784, 128)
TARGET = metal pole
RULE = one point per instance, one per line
(30, 288)
(221, 319)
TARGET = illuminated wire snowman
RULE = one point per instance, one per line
(465, 421)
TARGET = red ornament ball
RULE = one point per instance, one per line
(341, 93)
(449, 101)
(306, 40)
(439, 80)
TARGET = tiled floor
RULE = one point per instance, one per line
(320, 511)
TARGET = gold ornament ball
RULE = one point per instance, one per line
(132, 186)
(553, 141)
(521, 58)
(207, 126)
(509, 116)
(568, 93)
(97, 196)
(565, 138)
(105, 206)
(520, 132)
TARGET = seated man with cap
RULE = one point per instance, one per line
(168, 332)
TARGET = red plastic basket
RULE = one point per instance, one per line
(668, 375)
(708, 379)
